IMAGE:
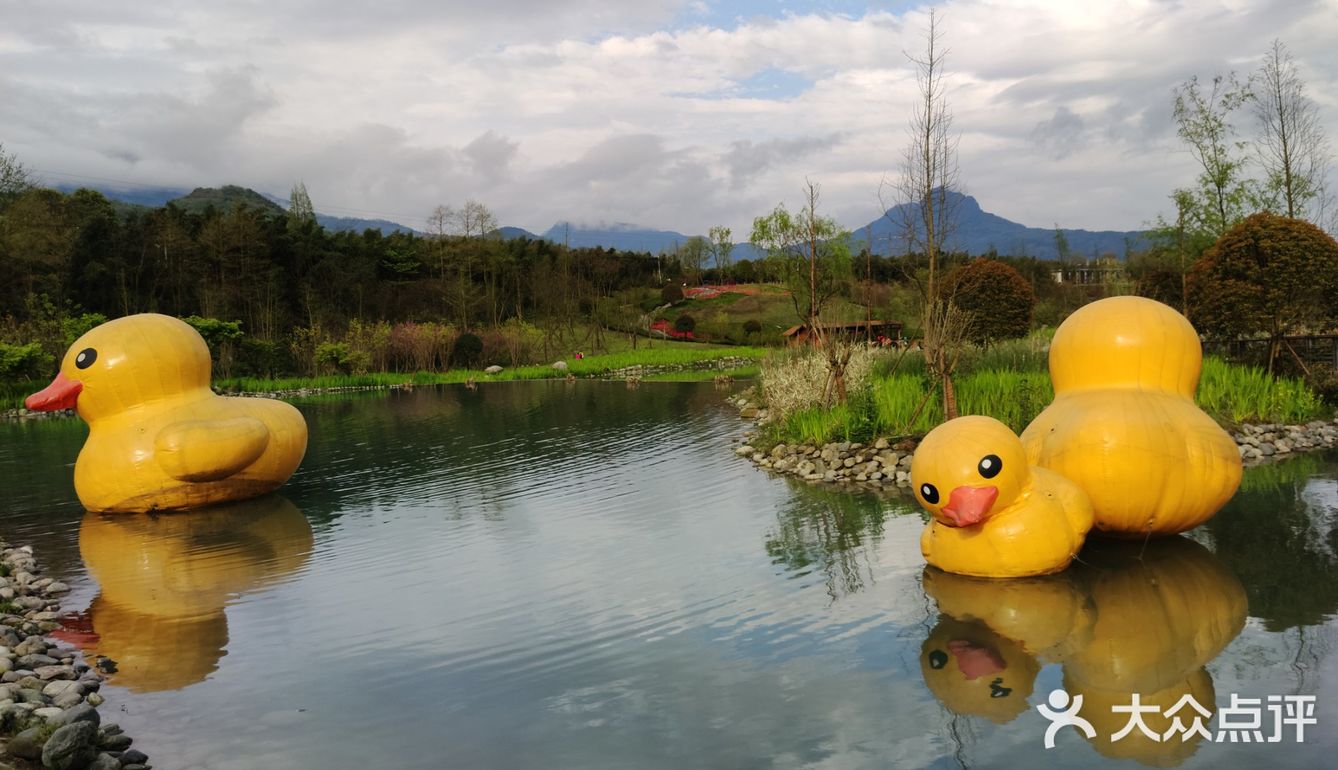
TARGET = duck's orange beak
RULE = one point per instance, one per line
(62, 393)
(967, 506)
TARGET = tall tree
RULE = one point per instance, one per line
(1062, 245)
(926, 192)
(1203, 121)
(812, 255)
(810, 252)
(300, 210)
(1292, 148)
(15, 178)
(692, 256)
(722, 245)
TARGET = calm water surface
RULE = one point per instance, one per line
(554, 575)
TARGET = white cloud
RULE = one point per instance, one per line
(586, 111)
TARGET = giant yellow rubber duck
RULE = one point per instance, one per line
(994, 515)
(159, 439)
(1124, 426)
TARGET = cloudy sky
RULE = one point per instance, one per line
(675, 114)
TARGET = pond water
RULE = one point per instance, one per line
(579, 575)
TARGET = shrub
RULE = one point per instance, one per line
(1268, 274)
(467, 351)
(262, 358)
(221, 337)
(798, 379)
(685, 323)
(671, 293)
(998, 298)
(339, 358)
(752, 326)
(24, 362)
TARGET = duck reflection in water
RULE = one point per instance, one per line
(1127, 618)
(165, 581)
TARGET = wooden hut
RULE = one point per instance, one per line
(855, 331)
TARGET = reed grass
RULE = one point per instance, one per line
(907, 404)
(1236, 393)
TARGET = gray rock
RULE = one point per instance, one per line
(70, 747)
(134, 757)
(494, 369)
(105, 761)
(745, 451)
(561, 366)
(54, 672)
(27, 744)
(61, 685)
(33, 661)
(114, 742)
(94, 699)
(80, 713)
(67, 699)
(30, 695)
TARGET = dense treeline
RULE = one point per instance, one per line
(284, 278)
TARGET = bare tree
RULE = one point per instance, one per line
(300, 210)
(1292, 147)
(926, 194)
(15, 178)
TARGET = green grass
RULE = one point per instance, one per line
(590, 366)
(904, 404)
(1236, 394)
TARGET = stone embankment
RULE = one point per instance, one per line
(48, 694)
(886, 463)
(717, 364)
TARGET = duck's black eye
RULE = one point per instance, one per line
(938, 659)
(990, 465)
(85, 358)
(929, 493)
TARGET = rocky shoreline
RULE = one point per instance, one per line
(885, 463)
(48, 694)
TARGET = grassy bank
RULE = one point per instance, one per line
(662, 354)
(590, 366)
(1011, 384)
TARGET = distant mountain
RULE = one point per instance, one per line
(507, 233)
(225, 198)
(199, 199)
(623, 237)
(151, 197)
(978, 232)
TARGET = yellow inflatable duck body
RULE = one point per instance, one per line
(994, 515)
(159, 439)
(1124, 426)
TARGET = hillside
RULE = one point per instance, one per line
(225, 198)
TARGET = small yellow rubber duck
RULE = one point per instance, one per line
(159, 439)
(993, 514)
(1124, 426)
